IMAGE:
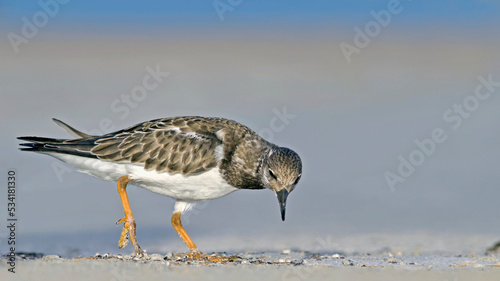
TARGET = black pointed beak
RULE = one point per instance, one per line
(282, 195)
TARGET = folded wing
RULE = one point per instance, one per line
(174, 145)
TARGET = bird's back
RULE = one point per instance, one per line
(185, 145)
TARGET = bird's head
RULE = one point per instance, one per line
(281, 171)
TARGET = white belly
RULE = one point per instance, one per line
(203, 186)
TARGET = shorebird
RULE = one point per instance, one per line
(187, 158)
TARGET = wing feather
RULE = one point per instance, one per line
(180, 145)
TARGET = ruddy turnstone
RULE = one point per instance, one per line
(186, 158)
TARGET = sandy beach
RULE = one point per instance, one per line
(362, 257)
(262, 266)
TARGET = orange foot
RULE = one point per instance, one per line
(220, 259)
(195, 254)
(198, 256)
(129, 226)
(128, 233)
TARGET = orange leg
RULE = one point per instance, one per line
(195, 253)
(128, 221)
(176, 222)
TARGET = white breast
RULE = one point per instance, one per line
(204, 186)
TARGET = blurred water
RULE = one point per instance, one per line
(351, 123)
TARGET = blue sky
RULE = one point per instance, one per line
(454, 13)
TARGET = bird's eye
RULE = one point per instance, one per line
(272, 174)
(297, 180)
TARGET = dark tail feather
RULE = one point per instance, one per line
(41, 140)
(30, 145)
(79, 147)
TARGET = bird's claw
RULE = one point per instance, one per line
(197, 255)
(120, 221)
(124, 238)
(128, 233)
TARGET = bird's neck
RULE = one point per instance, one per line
(244, 170)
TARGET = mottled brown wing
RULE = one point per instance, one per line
(178, 145)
